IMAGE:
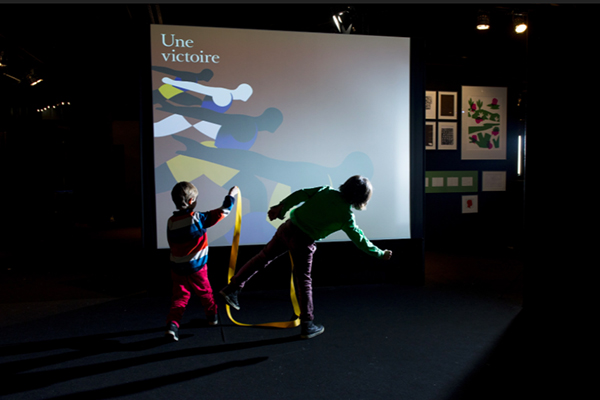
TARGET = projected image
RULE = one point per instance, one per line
(273, 112)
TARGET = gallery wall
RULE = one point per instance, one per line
(109, 161)
(486, 216)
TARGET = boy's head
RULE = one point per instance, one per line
(357, 190)
(184, 195)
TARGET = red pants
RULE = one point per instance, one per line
(182, 291)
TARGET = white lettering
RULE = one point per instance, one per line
(177, 42)
(164, 43)
(199, 58)
(196, 58)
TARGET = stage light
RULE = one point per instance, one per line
(2, 60)
(54, 106)
(33, 78)
(344, 20)
(519, 22)
(337, 20)
(483, 21)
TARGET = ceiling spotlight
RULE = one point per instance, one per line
(337, 20)
(33, 78)
(344, 20)
(519, 22)
(483, 21)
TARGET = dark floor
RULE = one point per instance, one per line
(74, 333)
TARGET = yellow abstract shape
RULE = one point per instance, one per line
(280, 192)
(209, 143)
(169, 91)
(186, 168)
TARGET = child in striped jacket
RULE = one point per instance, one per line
(186, 234)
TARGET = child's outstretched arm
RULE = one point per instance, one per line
(233, 191)
(357, 236)
(299, 196)
(210, 218)
(274, 211)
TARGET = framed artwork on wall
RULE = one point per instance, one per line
(451, 181)
(493, 181)
(430, 104)
(447, 105)
(430, 135)
(447, 135)
(470, 204)
(483, 135)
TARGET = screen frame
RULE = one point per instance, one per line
(417, 145)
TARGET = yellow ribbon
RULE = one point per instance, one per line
(232, 263)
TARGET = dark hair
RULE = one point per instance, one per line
(357, 191)
(182, 193)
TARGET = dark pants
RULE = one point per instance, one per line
(287, 238)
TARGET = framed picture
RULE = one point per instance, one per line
(447, 105)
(447, 135)
(430, 135)
(493, 181)
(483, 135)
(430, 104)
(451, 181)
(470, 204)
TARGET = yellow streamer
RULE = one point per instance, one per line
(232, 263)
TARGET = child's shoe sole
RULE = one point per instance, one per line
(229, 300)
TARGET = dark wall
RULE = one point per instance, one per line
(498, 222)
(497, 58)
(79, 166)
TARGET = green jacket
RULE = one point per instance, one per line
(324, 212)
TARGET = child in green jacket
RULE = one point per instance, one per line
(325, 211)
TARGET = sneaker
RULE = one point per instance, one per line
(172, 332)
(212, 320)
(309, 330)
(231, 298)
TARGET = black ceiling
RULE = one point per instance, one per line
(82, 47)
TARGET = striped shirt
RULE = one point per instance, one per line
(186, 234)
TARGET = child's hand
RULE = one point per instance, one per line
(387, 254)
(274, 212)
(234, 191)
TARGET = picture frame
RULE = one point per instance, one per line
(430, 135)
(452, 181)
(493, 181)
(483, 123)
(447, 105)
(447, 135)
(430, 104)
(470, 204)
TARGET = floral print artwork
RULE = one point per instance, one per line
(484, 132)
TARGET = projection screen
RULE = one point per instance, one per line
(273, 112)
